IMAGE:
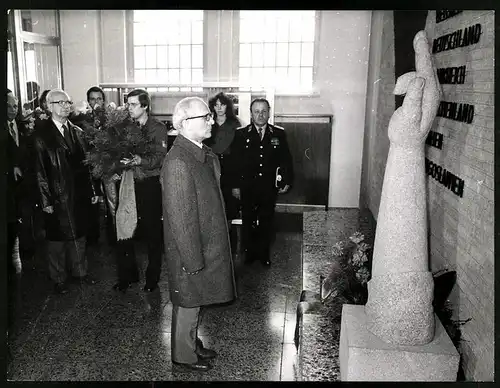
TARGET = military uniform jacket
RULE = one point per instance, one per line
(256, 161)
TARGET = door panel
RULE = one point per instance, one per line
(309, 140)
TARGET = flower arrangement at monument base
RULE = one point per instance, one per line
(346, 281)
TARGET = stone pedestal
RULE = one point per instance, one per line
(365, 357)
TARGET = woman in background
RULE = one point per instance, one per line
(225, 124)
(43, 100)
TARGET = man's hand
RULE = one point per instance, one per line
(284, 189)
(17, 173)
(94, 199)
(236, 193)
(191, 273)
(135, 161)
(115, 178)
(48, 209)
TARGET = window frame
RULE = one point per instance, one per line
(18, 37)
(130, 73)
(314, 92)
(235, 50)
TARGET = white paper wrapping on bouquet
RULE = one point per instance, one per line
(126, 214)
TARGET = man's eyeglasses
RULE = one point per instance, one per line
(63, 103)
(207, 117)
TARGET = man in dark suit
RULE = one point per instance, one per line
(14, 173)
(262, 169)
(66, 190)
(21, 176)
(147, 197)
(10, 141)
(94, 118)
(197, 248)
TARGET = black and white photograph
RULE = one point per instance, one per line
(249, 195)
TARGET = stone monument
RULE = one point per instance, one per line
(396, 335)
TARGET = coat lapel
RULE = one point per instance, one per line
(187, 144)
(57, 136)
(75, 139)
(200, 154)
(215, 162)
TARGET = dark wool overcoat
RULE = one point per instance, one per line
(64, 181)
(195, 227)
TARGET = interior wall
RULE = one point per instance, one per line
(80, 41)
(380, 107)
(461, 228)
(342, 81)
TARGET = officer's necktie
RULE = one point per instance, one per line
(261, 133)
(67, 137)
(13, 133)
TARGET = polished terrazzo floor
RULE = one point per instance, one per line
(94, 333)
(320, 324)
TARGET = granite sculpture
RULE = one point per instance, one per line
(399, 308)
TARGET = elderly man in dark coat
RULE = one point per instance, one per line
(66, 190)
(200, 267)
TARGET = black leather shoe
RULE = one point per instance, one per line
(121, 286)
(149, 288)
(200, 365)
(204, 353)
(61, 288)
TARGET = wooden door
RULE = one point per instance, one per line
(309, 139)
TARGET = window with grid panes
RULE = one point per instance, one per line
(168, 48)
(277, 49)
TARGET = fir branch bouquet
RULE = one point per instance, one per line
(349, 273)
(117, 138)
(85, 116)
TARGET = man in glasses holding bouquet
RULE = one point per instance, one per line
(148, 201)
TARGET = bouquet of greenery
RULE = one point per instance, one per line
(349, 272)
(118, 137)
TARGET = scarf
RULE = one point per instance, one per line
(126, 214)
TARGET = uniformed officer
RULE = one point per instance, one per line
(262, 169)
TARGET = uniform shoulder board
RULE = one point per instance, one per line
(278, 127)
(242, 127)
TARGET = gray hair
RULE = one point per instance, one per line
(50, 95)
(182, 110)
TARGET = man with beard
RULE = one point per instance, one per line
(94, 118)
